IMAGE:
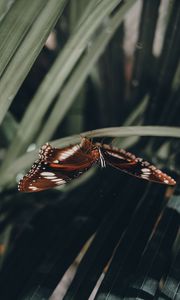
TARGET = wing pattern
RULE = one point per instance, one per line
(138, 167)
(57, 166)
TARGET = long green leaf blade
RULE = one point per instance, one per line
(27, 53)
(15, 26)
(73, 86)
(56, 77)
(5, 5)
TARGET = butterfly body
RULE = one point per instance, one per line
(57, 166)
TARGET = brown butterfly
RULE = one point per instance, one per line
(59, 166)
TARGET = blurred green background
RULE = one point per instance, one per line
(108, 69)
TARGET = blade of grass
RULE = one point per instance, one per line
(4, 7)
(172, 280)
(137, 112)
(9, 175)
(15, 26)
(144, 46)
(77, 9)
(131, 245)
(167, 66)
(134, 118)
(98, 254)
(154, 260)
(78, 77)
(8, 127)
(56, 77)
(75, 118)
(27, 53)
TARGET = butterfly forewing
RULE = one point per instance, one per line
(127, 162)
(72, 158)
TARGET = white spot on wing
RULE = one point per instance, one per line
(33, 188)
(115, 155)
(145, 176)
(45, 174)
(146, 171)
(64, 155)
(60, 181)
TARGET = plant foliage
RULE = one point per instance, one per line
(108, 70)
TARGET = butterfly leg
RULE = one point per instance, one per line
(102, 159)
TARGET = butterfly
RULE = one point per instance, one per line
(57, 166)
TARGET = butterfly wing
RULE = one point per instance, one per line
(59, 166)
(41, 177)
(129, 163)
(72, 158)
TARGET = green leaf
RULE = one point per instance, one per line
(8, 128)
(26, 54)
(106, 239)
(81, 72)
(5, 5)
(15, 26)
(57, 75)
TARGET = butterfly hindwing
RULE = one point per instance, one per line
(41, 176)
